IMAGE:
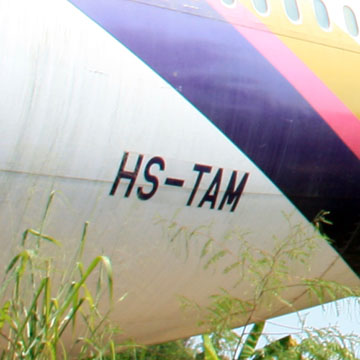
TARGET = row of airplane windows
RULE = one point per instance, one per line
(321, 13)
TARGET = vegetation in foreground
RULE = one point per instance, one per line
(325, 344)
(40, 308)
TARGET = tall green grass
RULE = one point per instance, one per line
(46, 313)
(49, 311)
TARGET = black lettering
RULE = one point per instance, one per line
(213, 188)
(232, 195)
(201, 169)
(151, 178)
(124, 174)
(174, 182)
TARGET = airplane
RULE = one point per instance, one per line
(166, 123)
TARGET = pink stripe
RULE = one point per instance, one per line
(337, 115)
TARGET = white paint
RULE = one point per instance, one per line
(336, 13)
(73, 100)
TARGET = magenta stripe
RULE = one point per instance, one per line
(336, 114)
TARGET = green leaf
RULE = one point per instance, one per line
(4, 311)
(249, 346)
(206, 247)
(215, 258)
(99, 259)
(210, 352)
(30, 312)
(43, 236)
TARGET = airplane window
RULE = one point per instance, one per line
(261, 6)
(292, 10)
(350, 21)
(229, 2)
(321, 14)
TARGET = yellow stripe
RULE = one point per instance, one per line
(334, 56)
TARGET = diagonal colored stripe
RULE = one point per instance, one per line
(317, 94)
(216, 68)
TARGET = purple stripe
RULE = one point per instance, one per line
(221, 74)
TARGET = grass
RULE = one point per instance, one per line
(47, 312)
(40, 309)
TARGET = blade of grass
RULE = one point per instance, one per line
(99, 259)
(32, 306)
(210, 352)
(70, 316)
(249, 346)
